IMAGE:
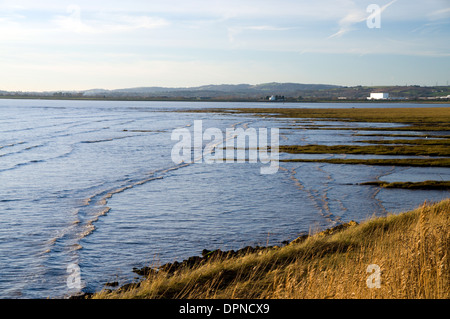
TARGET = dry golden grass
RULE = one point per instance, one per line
(411, 250)
(412, 254)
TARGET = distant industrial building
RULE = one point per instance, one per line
(275, 98)
(378, 96)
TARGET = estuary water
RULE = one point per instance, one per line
(91, 185)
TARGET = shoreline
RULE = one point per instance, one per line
(206, 256)
(231, 100)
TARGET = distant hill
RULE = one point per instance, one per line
(248, 92)
(214, 91)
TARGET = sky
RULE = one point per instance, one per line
(78, 45)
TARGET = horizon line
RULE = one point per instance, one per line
(221, 84)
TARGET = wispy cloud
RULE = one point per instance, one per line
(440, 14)
(73, 22)
(233, 31)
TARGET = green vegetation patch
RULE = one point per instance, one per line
(426, 150)
(442, 142)
(403, 135)
(420, 162)
(439, 185)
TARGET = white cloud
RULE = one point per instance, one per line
(105, 23)
(73, 22)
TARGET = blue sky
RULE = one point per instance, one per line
(65, 45)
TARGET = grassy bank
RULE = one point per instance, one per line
(411, 251)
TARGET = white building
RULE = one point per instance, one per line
(378, 96)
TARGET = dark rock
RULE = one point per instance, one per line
(206, 252)
(192, 261)
(82, 295)
(144, 271)
(112, 284)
